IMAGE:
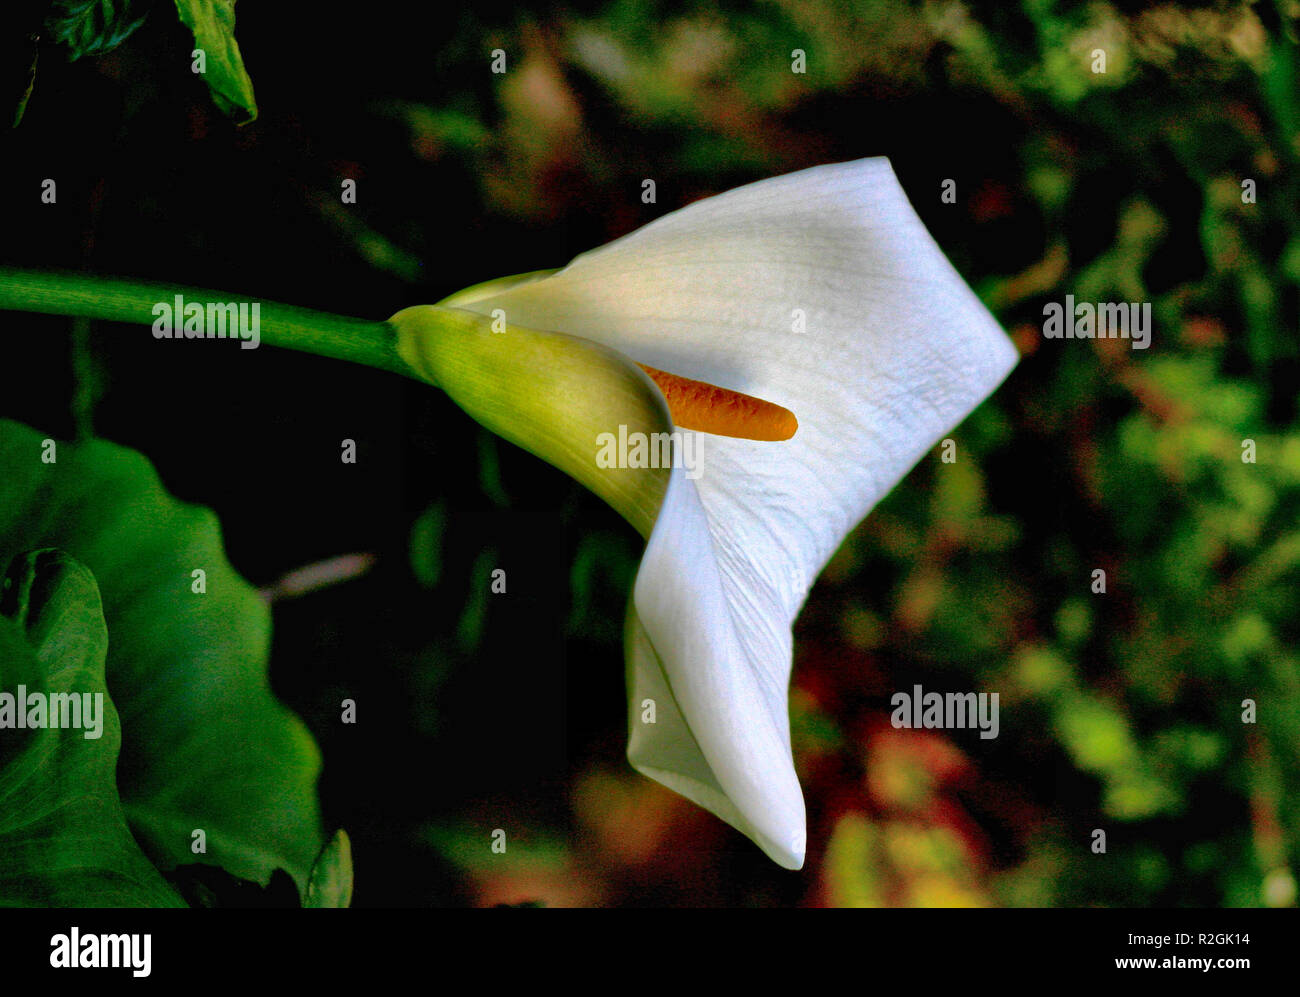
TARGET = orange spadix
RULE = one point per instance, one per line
(707, 408)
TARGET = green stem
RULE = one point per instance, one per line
(118, 300)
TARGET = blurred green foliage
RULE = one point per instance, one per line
(94, 27)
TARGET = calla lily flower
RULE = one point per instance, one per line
(819, 293)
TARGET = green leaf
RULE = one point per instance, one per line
(89, 27)
(92, 27)
(26, 51)
(331, 877)
(64, 840)
(205, 745)
(213, 24)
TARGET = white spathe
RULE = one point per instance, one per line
(897, 351)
